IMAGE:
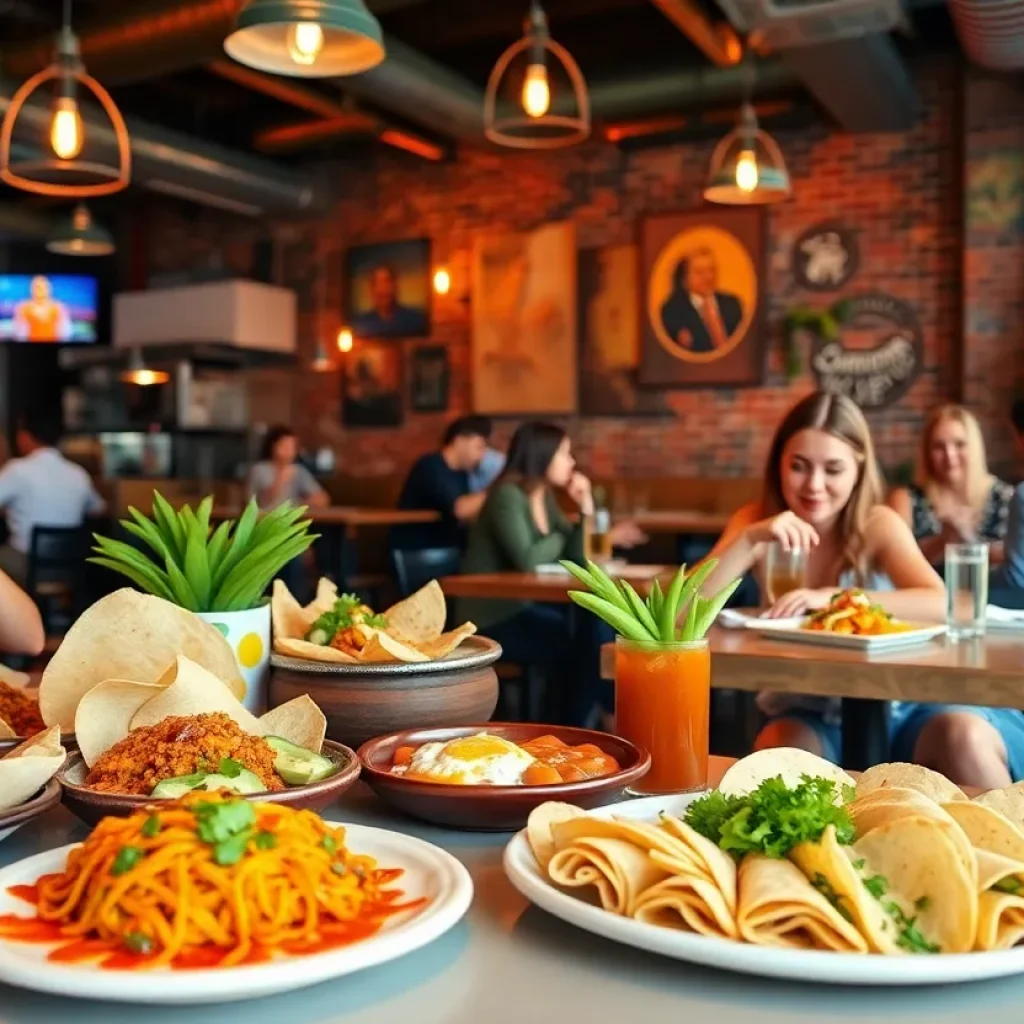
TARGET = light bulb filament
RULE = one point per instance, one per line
(747, 175)
(536, 91)
(66, 134)
(344, 340)
(305, 40)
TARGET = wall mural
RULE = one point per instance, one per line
(610, 336)
(524, 322)
(702, 286)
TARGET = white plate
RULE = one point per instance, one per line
(789, 629)
(799, 965)
(429, 871)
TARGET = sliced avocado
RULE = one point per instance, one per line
(298, 766)
(244, 783)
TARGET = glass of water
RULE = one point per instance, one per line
(966, 590)
(783, 571)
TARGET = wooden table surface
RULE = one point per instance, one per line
(987, 671)
(680, 521)
(552, 588)
(350, 515)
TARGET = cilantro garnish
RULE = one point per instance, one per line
(230, 768)
(909, 938)
(327, 625)
(227, 827)
(150, 827)
(858, 864)
(264, 840)
(922, 903)
(140, 943)
(127, 857)
(824, 886)
(773, 818)
(330, 844)
(877, 885)
(1009, 884)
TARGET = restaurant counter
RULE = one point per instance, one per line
(510, 963)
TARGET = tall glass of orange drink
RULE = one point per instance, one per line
(662, 703)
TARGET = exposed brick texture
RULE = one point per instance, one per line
(903, 193)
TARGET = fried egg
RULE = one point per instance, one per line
(470, 761)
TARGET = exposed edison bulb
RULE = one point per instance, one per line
(442, 281)
(344, 340)
(746, 171)
(536, 92)
(66, 134)
(305, 40)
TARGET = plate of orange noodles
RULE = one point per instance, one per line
(212, 898)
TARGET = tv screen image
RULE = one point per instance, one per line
(48, 307)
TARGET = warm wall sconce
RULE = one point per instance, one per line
(442, 281)
(344, 340)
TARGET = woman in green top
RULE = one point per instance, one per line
(522, 526)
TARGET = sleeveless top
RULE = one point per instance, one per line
(991, 525)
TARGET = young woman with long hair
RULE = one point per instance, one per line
(954, 498)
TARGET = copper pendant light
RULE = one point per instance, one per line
(80, 235)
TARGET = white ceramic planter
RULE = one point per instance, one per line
(248, 634)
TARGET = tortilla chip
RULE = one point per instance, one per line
(446, 642)
(294, 648)
(779, 907)
(1008, 801)
(790, 763)
(382, 647)
(6, 732)
(1000, 921)
(104, 715)
(19, 680)
(28, 767)
(128, 635)
(299, 721)
(194, 691)
(539, 825)
(421, 616)
(910, 776)
(289, 618)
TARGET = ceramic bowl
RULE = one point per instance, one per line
(366, 700)
(15, 817)
(91, 806)
(495, 808)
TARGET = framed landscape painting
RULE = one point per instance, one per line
(701, 299)
(523, 350)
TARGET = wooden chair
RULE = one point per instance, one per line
(56, 574)
(416, 567)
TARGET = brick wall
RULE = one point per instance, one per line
(903, 193)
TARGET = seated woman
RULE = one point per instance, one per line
(822, 492)
(520, 527)
(955, 499)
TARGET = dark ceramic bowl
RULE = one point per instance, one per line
(47, 797)
(366, 700)
(495, 808)
(91, 806)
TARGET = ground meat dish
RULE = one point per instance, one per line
(180, 746)
(20, 711)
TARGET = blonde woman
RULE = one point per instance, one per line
(823, 493)
(954, 498)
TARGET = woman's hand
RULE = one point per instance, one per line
(580, 491)
(627, 535)
(797, 602)
(787, 529)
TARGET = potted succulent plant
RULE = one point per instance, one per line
(221, 575)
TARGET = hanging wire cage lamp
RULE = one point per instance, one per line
(307, 38)
(80, 235)
(536, 95)
(747, 166)
(66, 170)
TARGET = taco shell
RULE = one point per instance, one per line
(29, 766)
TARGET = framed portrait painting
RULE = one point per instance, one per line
(523, 350)
(372, 385)
(430, 379)
(702, 298)
(387, 289)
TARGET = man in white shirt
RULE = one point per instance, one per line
(41, 488)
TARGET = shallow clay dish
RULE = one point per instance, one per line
(495, 808)
(91, 806)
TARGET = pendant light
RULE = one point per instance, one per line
(747, 166)
(80, 235)
(64, 171)
(138, 373)
(518, 106)
(307, 38)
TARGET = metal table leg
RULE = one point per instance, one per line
(865, 733)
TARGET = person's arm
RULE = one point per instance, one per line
(21, 625)
(467, 507)
(919, 591)
(510, 516)
(1011, 572)
(736, 551)
(8, 482)
(571, 530)
(310, 490)
(268, 484)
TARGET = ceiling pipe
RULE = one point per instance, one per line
(289, 137)
(719, 43)
(285, 90)
(163, 159)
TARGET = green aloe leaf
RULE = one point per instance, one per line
(247, 590)
(218, 547)
(239, 543)
(183, 592)
(146, 530)
(167, 521)
(197, 568)
(125, 555)
(147, 582)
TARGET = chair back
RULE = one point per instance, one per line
(416, 567)
(56, 558)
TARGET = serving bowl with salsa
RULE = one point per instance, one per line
(489, 777)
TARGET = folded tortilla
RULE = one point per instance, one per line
(778, 906)
(711, 858)
(687, 902)
(616, 868)
(1000, 921)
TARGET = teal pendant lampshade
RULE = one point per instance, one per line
(307, 38)
(747, 167)
(80, 235)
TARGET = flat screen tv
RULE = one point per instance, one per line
(48, 308)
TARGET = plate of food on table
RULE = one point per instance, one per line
(850, 619)
(793, 869)
(336, 631)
